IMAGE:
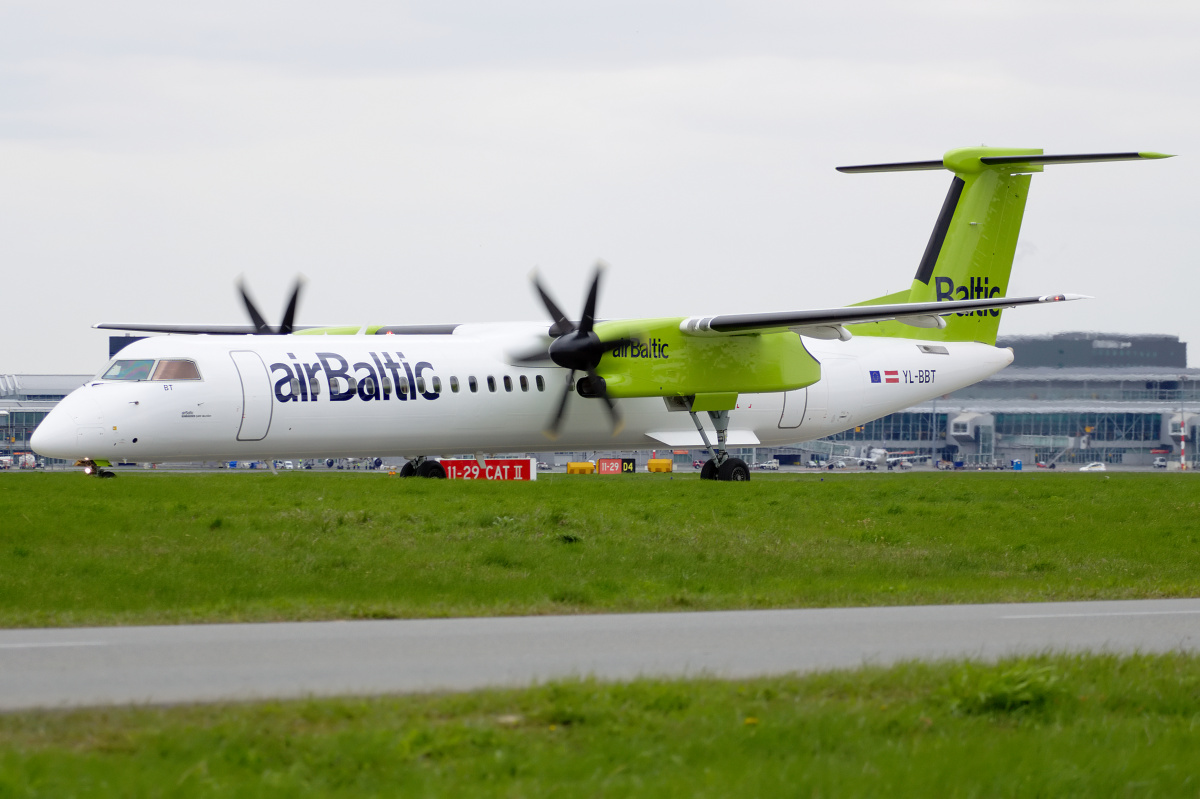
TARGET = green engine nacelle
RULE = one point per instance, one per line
(664, 362)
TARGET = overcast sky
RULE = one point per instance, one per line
(414, 161)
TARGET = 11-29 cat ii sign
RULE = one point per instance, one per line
(492, 469)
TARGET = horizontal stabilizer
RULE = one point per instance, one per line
(903, 166)
(1004, 160)
(1093, 158)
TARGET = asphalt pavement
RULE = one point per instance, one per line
(216, 662)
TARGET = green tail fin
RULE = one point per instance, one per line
(970, 253)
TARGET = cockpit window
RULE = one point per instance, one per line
(167, 369)
(129, 370)
(176, 370)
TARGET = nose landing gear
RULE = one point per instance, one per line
(91, 467)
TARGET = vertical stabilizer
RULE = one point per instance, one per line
(970, 252)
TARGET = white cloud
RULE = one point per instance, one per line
(415, 166)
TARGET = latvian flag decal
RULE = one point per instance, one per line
(888, 377)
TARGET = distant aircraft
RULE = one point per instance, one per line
(879, 456)
(733, 380)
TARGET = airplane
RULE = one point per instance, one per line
(878, 456)
(728, 380)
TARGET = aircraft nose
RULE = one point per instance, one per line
(58, 436)
(55, 437)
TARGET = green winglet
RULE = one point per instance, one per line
(1157, 155)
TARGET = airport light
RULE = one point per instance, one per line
(1182, 428)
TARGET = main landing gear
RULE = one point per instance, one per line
(422, 466)
(720, 466)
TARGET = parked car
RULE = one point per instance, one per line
(543, 466)
(1160, 462)
(1094, 466)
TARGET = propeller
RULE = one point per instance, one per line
(577, 348)
(261, 328)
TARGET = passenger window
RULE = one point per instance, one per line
(473, 384)
(524, 383)
(129, 370)
(402, 385)
(420, 385)
(454, 384)
(541, 384)
(176, 370)
(437, 385)
(507, 383)
(491, 383)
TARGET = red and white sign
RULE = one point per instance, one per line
(492, 469)
(891, 376)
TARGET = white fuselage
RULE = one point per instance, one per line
(254, 398)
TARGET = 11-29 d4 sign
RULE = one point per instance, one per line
(492, 469)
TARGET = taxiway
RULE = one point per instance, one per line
(50, 668)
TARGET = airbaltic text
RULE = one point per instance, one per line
(977, 290)
(634, 348)
(384, 377)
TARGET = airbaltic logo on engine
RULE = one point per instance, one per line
(634, 348)
(383, 378)
(977, 290)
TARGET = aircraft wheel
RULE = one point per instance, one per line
(734, 469)
(709, 470)
(103, 473)
(431, 469)
(407, 470)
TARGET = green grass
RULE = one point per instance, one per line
(150, 547)
(1050, 726)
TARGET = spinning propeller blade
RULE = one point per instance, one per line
(578, 349)
(261, 328)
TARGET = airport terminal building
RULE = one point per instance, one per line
(24, 402)
(1067, 398)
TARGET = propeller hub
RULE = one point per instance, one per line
(578, 350)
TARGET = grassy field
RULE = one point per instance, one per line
(150, 547)
(1055, 726)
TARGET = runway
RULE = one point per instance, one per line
(205, 663)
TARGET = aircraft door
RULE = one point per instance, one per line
(794, 403)
(817, 407)
(256, 395)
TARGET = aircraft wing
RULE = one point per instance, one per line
(245, 330)
(215, 330)
(918, 314)
(810, 322)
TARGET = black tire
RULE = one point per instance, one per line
(735, 470)
(104, 473)
(709, 470)
(431, 469)
(407, 470)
